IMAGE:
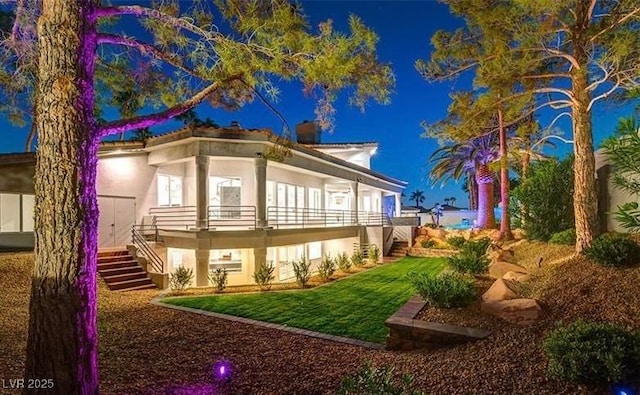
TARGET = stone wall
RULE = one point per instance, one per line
(406, 333)
(431, 252)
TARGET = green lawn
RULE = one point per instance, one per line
(355, 307)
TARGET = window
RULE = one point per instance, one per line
(271, 193)
(285, 256)
(169, 190)
(315, 250)
(366, 203)
(314, 198)
(176, 259)
(9, 212)
(28, 201)
(225, 259)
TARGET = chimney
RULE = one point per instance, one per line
(308, 132)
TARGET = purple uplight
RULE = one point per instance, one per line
(222, 370)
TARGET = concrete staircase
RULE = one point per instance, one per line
(399, 248)
(122, 272)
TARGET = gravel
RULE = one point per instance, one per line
(145, 349)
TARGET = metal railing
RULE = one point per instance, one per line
(232, 216)
(140, 237)
(290, 217)
(175, 217)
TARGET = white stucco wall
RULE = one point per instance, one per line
(241, 168)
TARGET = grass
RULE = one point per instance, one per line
(354, 307)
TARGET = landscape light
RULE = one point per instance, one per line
(222, 370)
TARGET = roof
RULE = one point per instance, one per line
(17, 158)
(366, 144)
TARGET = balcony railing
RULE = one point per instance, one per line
(243, 217)
(289, 217)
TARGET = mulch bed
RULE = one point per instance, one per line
(145, 349)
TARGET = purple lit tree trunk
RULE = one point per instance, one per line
(484, 179)
(505, 221)
(63, 339)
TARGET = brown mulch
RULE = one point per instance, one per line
(145, 349)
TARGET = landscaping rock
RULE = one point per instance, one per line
(498, 254)
(518, 234)
(500, 290)
(500, 268)
(515, 311)
(516, 277)
(437, 233)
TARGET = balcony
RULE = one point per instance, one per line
(245, 217)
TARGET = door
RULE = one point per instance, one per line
(117, 216)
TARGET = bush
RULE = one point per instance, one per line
(445, 290)
(566, 237)
(545, 198)
(263, 276)
(327, 267)
(343, 262)
(357, 259)
(181, 279)
(302, 271)
(218, 278)
(456, 242)
(374, 253)
(428, 243)
(593, 353)
(614, 250)
(472, 258)
(374, 380)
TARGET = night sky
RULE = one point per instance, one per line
(405, 29)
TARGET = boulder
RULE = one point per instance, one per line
(467, 234)
(422, 231)
(437, 233)
(498, 269)
(515, 311)
(499, 254)
(500, 290)
(494, 235)
(518, 234)
(516, 277)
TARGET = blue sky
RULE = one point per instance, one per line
(405, 29)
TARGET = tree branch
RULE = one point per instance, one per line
(145, 121)
(144, 48)
(604, 95)
(614, 24)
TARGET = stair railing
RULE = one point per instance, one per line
(140, 235)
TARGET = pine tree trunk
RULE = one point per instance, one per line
(63, 338)
(505, 221)
(486, 216)
(585, 198)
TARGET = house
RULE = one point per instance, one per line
(610, 197)
(208, 198)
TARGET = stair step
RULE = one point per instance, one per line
(125, 277)
(129, 284)
(114, 258)
(112, 253)
(116, 265)
(396, 254)
(120, 270)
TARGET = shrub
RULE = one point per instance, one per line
(181, 279)
(327, 267)
(343, 262)
(566, 237)
(472, 258)
(614, 250)
(545, 198)
(445, 290)
(302, 271)
(593, 353)
(218, 278)
(456, 242)
(357, 259)
(374, 253)
(263, 276)
(377, 381)
(428, 243)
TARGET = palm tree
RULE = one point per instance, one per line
(471, 158)
(452, 201)
(418, 197)
(446, 201)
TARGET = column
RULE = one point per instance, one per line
(260, 167)
(398, 207)
(259, 257)
(202, 266)
(202, 189)
(355, 208)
